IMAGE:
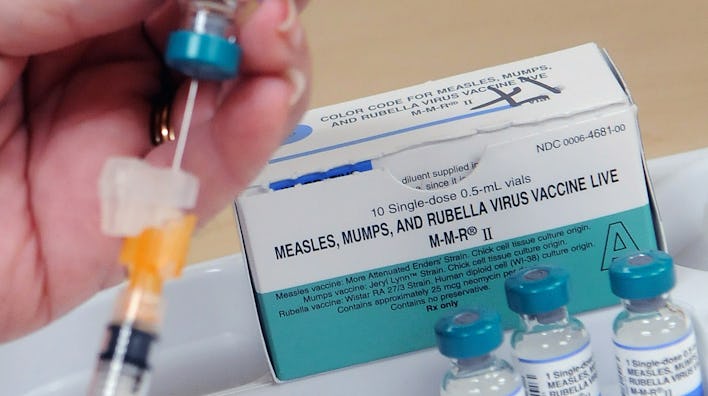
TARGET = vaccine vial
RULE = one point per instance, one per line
(655, 345)
(552, 351)
(209, 16)
(470, 338)
(205, 46)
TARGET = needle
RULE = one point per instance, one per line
(186, 121)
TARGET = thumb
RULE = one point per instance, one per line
(33, 26)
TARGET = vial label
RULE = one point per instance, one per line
(669, 369)
(571, 374)
(519, 392)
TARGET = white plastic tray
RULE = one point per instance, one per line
(211, 343)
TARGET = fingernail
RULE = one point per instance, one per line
(298, 81)
(290, 17)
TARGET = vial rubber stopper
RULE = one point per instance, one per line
(537, 290)
(203, 56)
(469, 333)
(642, 275)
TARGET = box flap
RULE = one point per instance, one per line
(524, 92)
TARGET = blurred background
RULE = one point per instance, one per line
(365, 47)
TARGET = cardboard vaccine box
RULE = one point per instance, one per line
(382, 214)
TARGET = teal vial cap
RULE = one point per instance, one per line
(537, 290)
(202, 56)
(469, 333)
(642, 275)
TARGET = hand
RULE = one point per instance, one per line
(76, 79)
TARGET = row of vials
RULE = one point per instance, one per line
(654, 341)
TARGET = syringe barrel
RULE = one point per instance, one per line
(128, 380)
(123, 367)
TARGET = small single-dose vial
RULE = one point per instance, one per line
(469, 338)
(655, 345)
(205, 46)
(552, 351)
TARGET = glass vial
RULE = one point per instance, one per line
(214, 17)
(654, 341)
(469, 338)
(205, 47)
(552, 350)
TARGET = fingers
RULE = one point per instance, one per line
(263, 107)
(267, 32)
(275, 27)
(237, 127)
(273, 43)
(228, 154)
(35, 26)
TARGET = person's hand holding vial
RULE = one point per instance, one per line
(78, 80)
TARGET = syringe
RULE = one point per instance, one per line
(155, 255)
(146, 205)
